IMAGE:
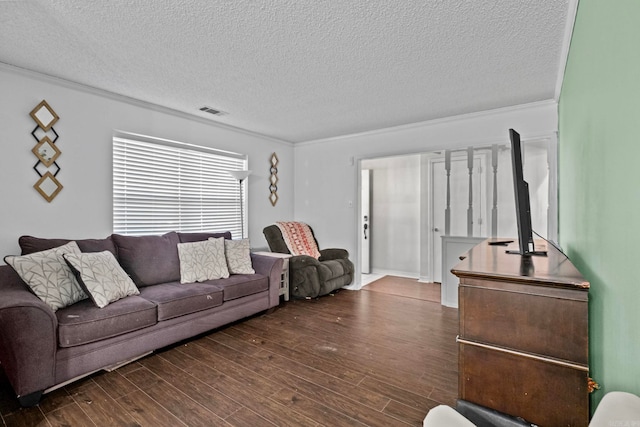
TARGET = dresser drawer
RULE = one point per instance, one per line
(527, 319)
(541, 392)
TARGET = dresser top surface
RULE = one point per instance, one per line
(493, 262)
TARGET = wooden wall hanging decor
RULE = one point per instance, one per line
(273, 180)
(46, 151)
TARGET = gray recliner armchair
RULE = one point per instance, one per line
(310, 277)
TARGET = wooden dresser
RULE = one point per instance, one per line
(523, 339)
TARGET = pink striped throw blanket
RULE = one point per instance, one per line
(299, 239)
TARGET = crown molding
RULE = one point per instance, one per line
(434, 122)
(134, 101)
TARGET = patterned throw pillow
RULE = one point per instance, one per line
(49, 276)
(204, 260)
(101, 276)
(238, 253)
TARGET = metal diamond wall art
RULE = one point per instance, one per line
(273, 180)
(46, 151)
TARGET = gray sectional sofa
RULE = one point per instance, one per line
(42, 348)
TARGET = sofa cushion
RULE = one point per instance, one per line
(241, 285)
(83, 322)
(48, 275)
(175, 299)
(30, 244)
(238, 255)
(197, 237)
(333, 268)
(149, 260)
(101, 277)
(200, 261)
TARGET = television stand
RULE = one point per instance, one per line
(533, 253)
(523, 346)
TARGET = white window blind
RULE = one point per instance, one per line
(162, 186)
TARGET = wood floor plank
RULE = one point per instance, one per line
(314, 410)
(253, 398)
(143, 378)
(199, 391)
(411, 416)
(25, 417)
(246, 417)
(353, 376)
(55, 400)
(102, 408)
(146, 411)
(406, 287)
(337, 402)
(114, 384)
(413, 352)
(403, 348)
(81, 385)
(374, 325)
(69, 415)
(235, 344)
(357, 358)
(207, 351)
(400, 394)
(179, 404)
(446, 397)
(241, 359)
(361, 395)
(183, 407)
(271, 362)
(284, 336)
(268, 408)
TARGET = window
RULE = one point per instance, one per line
(161, 186)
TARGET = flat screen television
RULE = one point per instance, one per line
(523, 207)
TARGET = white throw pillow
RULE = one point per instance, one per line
(238, 253)
(204, 260)
(102, 277)
(49, 276)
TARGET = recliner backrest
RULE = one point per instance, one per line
(275, 240)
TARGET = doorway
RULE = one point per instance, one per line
(428, 198)
(391, 205)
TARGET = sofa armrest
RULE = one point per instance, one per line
(298, 262)
(333, 253)
(272, 268)
(27, 336)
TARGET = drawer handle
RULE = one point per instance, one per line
(527, 355)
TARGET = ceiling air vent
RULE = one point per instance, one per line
(213, 111)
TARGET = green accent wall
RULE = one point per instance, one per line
(599, 183)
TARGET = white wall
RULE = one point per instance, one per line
(326, 175)
(535, 155)
(88, 118)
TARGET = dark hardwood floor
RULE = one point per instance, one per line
(402, 286)
(356, 358)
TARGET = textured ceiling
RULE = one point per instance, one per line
(298, 70)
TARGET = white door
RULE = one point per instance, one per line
(365, 221)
